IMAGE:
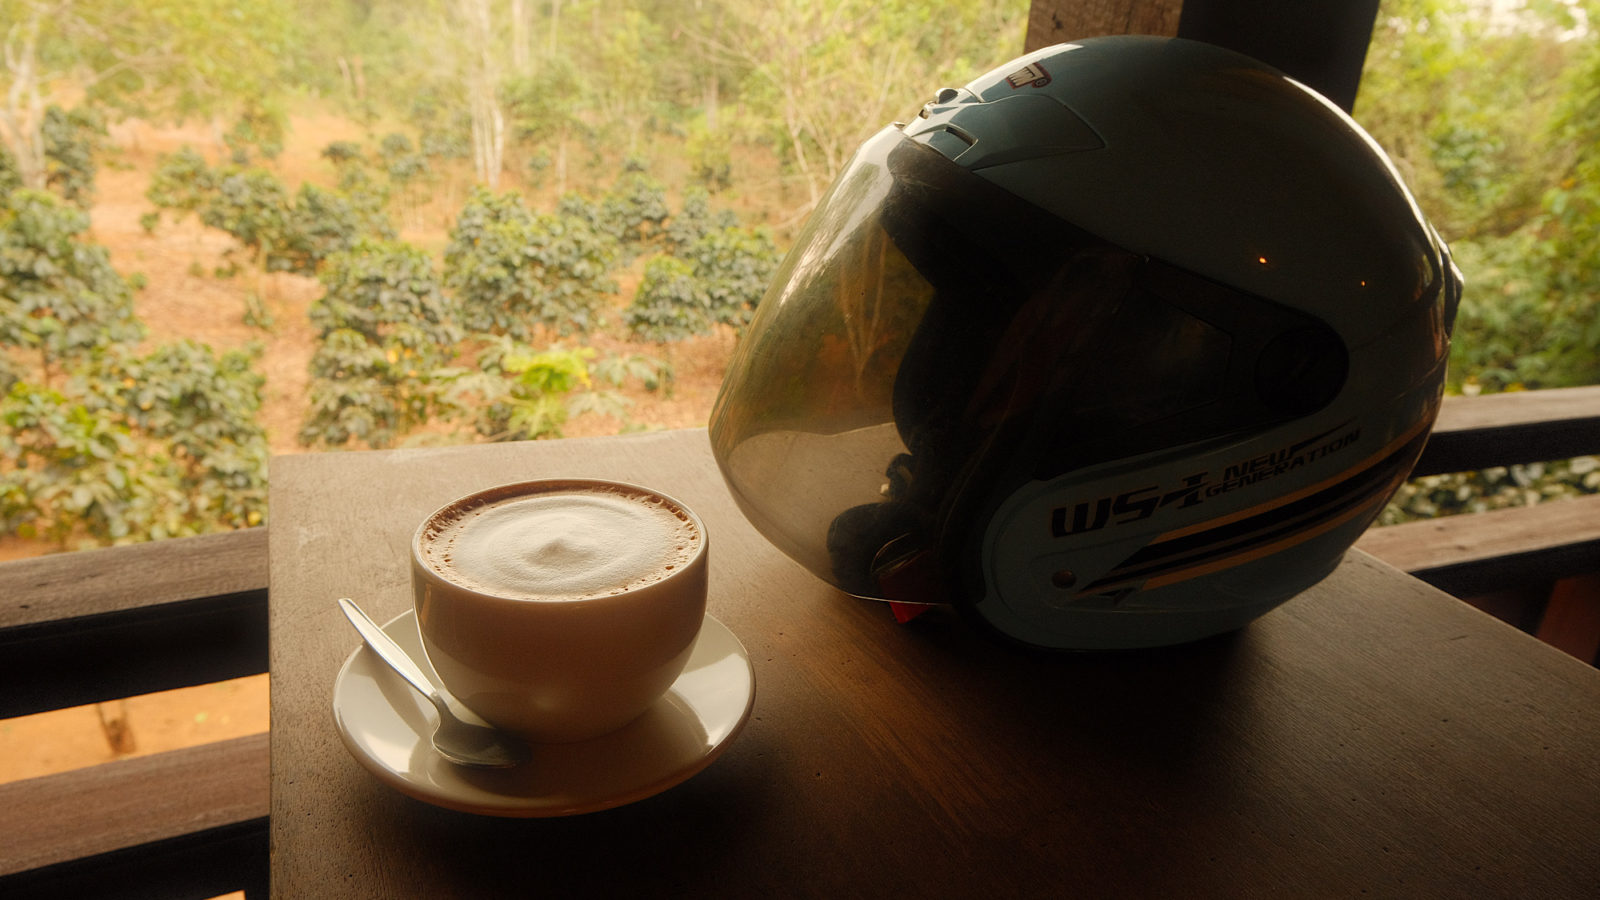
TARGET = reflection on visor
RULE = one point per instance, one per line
(932, 342)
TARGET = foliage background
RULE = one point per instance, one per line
(453, 220)
(1492, 112)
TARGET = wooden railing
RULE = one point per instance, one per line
(102, 624)
(1536, 567)
(84, 627)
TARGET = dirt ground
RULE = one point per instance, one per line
(184, 298)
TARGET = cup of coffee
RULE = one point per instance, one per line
(560, 610)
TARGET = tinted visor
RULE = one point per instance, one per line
(932, 342)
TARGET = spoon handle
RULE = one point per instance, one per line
(390, 652)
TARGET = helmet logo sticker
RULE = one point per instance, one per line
(1031, 74)
(1270, 527)
(1137, 505)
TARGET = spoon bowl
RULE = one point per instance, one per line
(460, 737)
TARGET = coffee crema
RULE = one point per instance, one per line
(571, 543)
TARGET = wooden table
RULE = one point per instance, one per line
(1372, 737)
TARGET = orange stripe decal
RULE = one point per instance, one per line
(1286, 499)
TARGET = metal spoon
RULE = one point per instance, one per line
(461, 742)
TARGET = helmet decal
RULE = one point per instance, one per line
(1271, 526)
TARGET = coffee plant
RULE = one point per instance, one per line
(10, 175)
(182, 181)
(444, 127)
(203, 409)
(385, 329)
(406, 167)
(70, 470)
(99, 443)
(61, 302)
(632, 213)
(135, 448)
(280, 233)
(634, 210)
(694, 219)
(667, 306)
(515, 272)
(733, 266)
(1496, 488)
(342, 152)
(253, 206)
(368, 199)
(321, 223)
(71, 139)
(711, 158)
(718, 279)
(518, 393)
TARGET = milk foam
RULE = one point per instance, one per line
(572, 544)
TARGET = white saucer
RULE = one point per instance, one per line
(387, 727)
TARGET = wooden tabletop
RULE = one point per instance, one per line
(1372, 737)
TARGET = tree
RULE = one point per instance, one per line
(482, 77)
(1570, 227)
(1490, 114)
(1493, 128)
(826, 74)
(178, 56)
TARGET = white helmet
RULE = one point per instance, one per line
(1123, 344)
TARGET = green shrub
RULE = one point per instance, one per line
(694, 219)
(718, 280)
(71, 139)
(182, 181)
(136, 448)
(385, 329)
(60, 299)
(667, 307)
(514, 271)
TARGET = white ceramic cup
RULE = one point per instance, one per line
(560, 610)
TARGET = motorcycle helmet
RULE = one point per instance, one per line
(1123, 344)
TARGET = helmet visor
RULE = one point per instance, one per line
(933, 341)
(807, 429)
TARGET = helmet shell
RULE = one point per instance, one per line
(1122, 344)
(1207, 159)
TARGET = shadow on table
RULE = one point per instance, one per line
(1138, 729)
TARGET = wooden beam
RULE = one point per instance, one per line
(1520, 427)
(1321, 43)
(118, 579)
(1056, 21)
(140, 802)
(72, 662)
(96, 625)
(1478, 554)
